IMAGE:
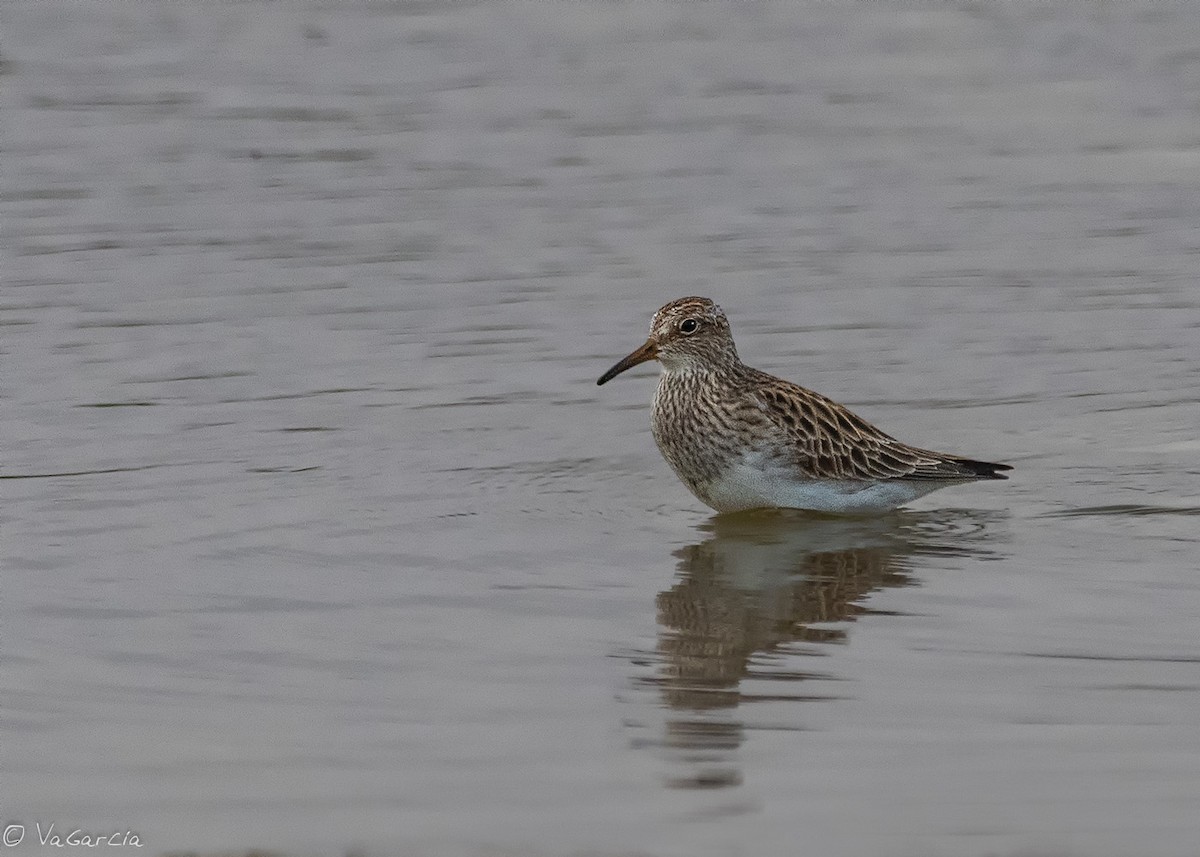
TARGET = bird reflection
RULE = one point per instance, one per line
(761, 589)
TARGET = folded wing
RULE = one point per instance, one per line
(831, 442)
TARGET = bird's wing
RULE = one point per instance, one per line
(828, 441)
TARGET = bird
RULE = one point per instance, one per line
(742, 439)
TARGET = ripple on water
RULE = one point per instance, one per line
(1129, 510)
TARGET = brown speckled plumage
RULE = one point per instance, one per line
(711, 412)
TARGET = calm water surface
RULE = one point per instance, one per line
(318, 534)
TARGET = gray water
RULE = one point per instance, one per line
(317, 533)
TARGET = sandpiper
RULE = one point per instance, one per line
(741, 439)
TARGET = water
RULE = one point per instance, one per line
(318, 534)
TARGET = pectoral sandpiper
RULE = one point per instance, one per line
(741, 439)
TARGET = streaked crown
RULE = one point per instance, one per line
(692, 332)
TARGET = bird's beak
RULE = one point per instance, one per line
(649, 351)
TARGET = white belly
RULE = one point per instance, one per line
(754, 483)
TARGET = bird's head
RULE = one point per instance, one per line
(687, 334)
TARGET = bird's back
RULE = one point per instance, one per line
(829, 441)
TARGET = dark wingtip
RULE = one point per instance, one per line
(984, 469)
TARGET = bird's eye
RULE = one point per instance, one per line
(688, 325)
